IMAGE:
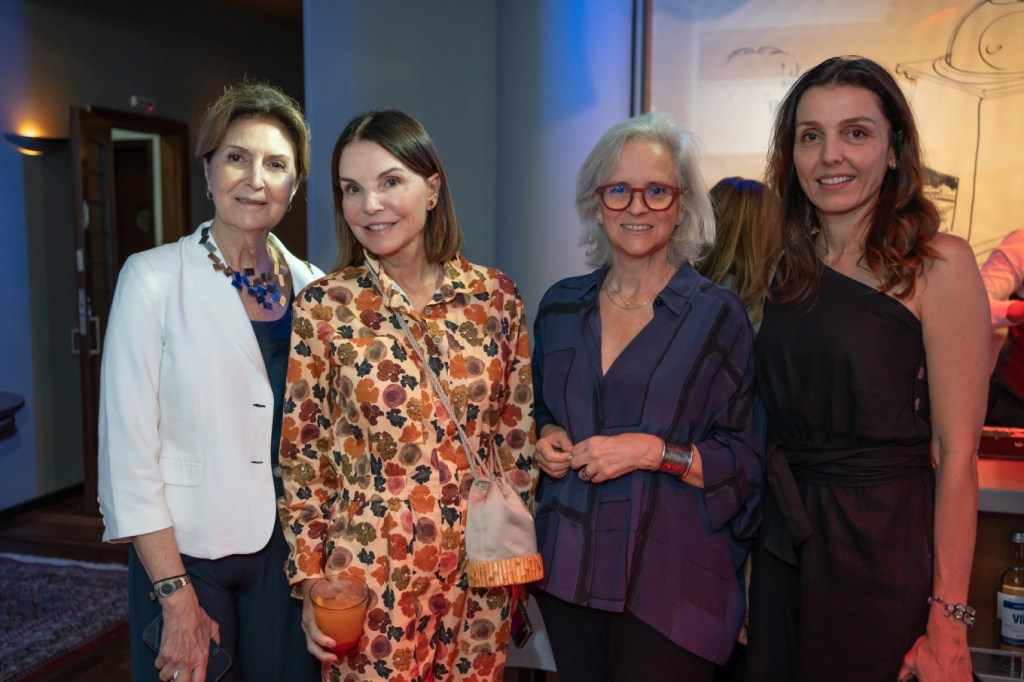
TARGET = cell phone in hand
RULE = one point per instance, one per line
(217, 664)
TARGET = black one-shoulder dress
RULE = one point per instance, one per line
(842, 567)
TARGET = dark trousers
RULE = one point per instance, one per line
(248, 596)
(601, 646)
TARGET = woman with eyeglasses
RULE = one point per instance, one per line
(644, 407)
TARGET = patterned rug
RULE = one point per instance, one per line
(51, 607)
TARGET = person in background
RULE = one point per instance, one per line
(376, 479)
(872, 365)
(190, 408)
(1003, 275)
(643, 374)
(744, 211)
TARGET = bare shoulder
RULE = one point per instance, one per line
(952, 254)
(952, 275)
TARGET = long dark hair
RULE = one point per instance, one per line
(902, 221)
(404, 138)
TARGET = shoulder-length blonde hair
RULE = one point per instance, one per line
(903, 219)
(402, 136)
(693, 234)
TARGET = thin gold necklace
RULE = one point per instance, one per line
(633, 303)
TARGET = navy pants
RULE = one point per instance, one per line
(248, 596)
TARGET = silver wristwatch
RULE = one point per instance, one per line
(168, 586)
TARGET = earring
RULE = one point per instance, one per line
(892, 163)
(209, 196)
(289, 207)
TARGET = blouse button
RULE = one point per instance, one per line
(437, 340)
(427, 310)
(657, 302)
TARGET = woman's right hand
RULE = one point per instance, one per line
(185, 640)
(316, 640)
(553, 451)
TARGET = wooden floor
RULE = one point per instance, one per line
(58, 528)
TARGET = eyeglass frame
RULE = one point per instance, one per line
(676, 191)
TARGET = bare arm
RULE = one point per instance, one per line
(954, 316)
(187, 630)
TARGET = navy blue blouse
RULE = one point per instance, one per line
(647, 542)
(274, 338)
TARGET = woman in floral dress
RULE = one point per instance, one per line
(376, 480)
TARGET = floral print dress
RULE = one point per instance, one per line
(375, 478)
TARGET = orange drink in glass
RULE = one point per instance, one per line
(339, 606)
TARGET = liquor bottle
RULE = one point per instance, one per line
(1011, 607)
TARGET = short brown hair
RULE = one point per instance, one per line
(903, 219)
(402, 136)
(259, 101)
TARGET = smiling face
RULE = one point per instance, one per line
(637, 231)
(385, 203)
(251, 175)
(841, 151)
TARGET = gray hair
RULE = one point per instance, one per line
(697, 230)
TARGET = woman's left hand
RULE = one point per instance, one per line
(602, 458)
(939, 655)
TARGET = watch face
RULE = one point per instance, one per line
(167, 589)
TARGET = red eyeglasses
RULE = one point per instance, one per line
(656, 196)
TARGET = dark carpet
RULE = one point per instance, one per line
(52, 607)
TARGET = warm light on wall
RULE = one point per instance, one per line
(35, 146)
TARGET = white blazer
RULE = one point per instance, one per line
(186, 408)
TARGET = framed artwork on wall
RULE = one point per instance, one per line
(722, 68)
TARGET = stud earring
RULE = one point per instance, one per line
(892, 163)
(209, 196)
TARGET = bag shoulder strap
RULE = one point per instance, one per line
(476, 464)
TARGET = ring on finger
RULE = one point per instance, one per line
(585, 475)
(175, 675)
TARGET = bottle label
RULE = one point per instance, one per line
(1011, 612)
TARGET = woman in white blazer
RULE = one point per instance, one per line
(190, 410)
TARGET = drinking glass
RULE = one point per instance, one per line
(339, 606)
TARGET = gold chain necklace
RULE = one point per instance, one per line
(633, 303)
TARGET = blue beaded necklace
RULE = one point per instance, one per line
(266, 288)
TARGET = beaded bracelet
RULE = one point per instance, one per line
(961, 612)
(676, 459)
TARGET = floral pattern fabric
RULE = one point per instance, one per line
(376, 480)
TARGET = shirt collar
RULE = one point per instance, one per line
(680, 288)
(459, 278)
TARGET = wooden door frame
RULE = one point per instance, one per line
(175, 186)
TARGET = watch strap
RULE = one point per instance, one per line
(168, 586)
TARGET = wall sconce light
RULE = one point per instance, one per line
(35, 146)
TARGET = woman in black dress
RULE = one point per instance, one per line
(872, 362)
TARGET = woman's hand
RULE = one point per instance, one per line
(185, 640)
(939, 655)
(552, 453)
(316, 641)
(602, 458)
